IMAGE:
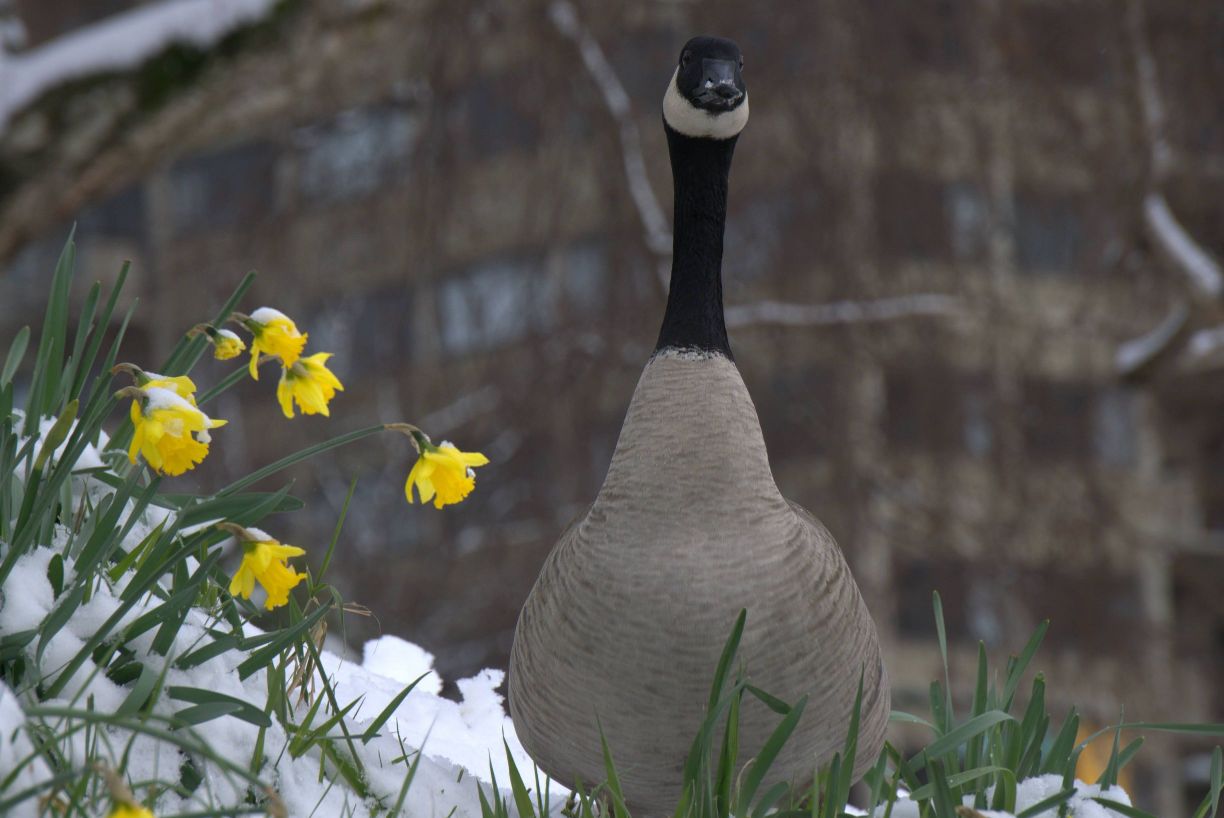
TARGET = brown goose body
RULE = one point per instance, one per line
(630, 613)
(624, 627)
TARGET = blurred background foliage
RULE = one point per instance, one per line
(969, 276)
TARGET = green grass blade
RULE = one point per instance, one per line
(1123, 809)
(925, 792)
(1109, 776)
(283, 639)
(222, 386)
(1048, 804)
(771, 797)
(49, 362)
(1217, 780)
(90, 353)
(727, 757)
(72, 367)
(619, 810)
(1060, 751)
(945, 805)
(724, 661)
(16, 353)
(201, 713)
(142, 688)
(243, 710)
(949, 742)
(908, 718)
(389, 710)
(298, 457)
(765, 758)
(1021, 664)
(522, 797)
(335, 538)
(942, 633)
(188, 350)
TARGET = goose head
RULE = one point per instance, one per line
(707, 97)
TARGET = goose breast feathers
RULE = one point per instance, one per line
(626, 622)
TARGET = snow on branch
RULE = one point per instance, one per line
(1206, 341)
(1137, 353)
(658, 234)
(117, 43)
(841, 312)
(1181, 247)
(1200, 268)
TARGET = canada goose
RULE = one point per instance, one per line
(631, 610)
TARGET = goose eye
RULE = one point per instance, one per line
(741, 63)
(685, 59)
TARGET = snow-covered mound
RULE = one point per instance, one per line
(459, 739)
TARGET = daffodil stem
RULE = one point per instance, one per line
(420, 440)
(298, 457)
(223, 385)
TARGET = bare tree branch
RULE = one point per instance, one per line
(658, 234)
(1206, 341)
(1204, 273)
(1138, 354)
(461, 410)
(842, 312)
(1181, 247)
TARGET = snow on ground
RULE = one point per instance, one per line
(1033, 791)
(454, 735)
(119, 42)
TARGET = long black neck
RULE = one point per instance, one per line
(700, 171)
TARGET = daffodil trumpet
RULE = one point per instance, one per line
(171, 432)
(266, 561)
(310, 384)
(181, 385)
(441, 473)
(226, 343)
(273, 333)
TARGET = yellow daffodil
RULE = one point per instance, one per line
(226, 344)
(171, 432)
(310, 383)
(180, 385)
(275, 334)
(266, 560)
(126, 810)
(443, 473)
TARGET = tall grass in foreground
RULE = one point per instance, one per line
(970, 764)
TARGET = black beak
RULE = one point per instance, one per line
(718, 88)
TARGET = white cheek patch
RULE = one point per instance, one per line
(690, 120)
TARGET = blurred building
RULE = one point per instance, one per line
(949, 224)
